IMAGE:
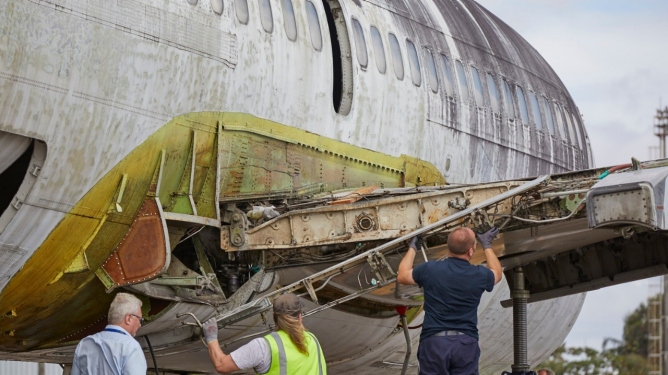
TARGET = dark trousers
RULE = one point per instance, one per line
(449, 355)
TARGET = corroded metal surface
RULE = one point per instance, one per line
(105, 85)
(266, 159)
(99, 229)
(141, 255)
(381, 216)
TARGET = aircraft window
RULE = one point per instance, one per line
(266, 16)
(414, 62)
(493, 93)
(447, 73)
(378, 49)
(397, 60)
(431, 70)
(477, 86)
(560, 122)
(549, 116)
(508, 100)
(576, 124)
(217, 6)
(289, 20)
(241, 9)
(360, 44)
(536, 111)
(524, 112)
(314, 26)
(569, 123)
(461, 75)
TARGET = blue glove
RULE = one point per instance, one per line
(210, 330)
(486, 238)
(416, 243)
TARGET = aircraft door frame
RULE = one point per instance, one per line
(341, 47)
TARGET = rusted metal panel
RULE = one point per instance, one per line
(142, 253)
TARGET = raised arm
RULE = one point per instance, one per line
(493, 263)
(405, 272)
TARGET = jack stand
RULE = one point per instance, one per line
(520, 297)
(404, 324)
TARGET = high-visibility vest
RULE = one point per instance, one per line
(286, 359)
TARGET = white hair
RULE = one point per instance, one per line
(122, 305)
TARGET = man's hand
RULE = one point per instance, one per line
(486, 238)
(210, 328)
(416, 242)
(405, 270)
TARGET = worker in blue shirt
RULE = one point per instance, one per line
(114, 351)
(452, 291)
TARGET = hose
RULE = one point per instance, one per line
(150, 348)
(614, 169)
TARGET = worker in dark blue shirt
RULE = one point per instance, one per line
(452, 291)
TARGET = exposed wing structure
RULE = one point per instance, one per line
(206, 154)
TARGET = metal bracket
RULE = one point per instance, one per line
(238, 227)
(16, 203)
(206, 268)
(380, 266)
(311, 291)
(199, 282)
(35, 170)
(459, 203)
(196, 324)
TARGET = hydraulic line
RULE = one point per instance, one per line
(150, 348)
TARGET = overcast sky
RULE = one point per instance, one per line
(612, 56)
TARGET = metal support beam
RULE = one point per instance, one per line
(520, 297)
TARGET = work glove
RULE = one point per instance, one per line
(416, 243)
(210, 330)
(486, 238)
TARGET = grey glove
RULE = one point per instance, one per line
(416, 242)
(486, 238)
(210, 330)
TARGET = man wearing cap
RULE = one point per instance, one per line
(289, 350)
(452, 291)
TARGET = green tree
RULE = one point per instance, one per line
(627, 356)
(636, 331)
(579, 361)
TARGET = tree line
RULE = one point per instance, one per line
(627, 356)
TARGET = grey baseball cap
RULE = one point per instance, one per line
(288, 304)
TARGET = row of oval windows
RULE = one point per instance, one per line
(574, 134)
(266, 18)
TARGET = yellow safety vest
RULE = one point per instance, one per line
(286, 359)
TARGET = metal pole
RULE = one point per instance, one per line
(662, 329)
(409, 348)
(661, 130)
(520, 297)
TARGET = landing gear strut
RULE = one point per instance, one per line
(520, 297)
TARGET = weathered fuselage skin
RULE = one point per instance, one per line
(92, 80)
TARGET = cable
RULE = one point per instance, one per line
(150, 348)
(194, 233)
(575, 210)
